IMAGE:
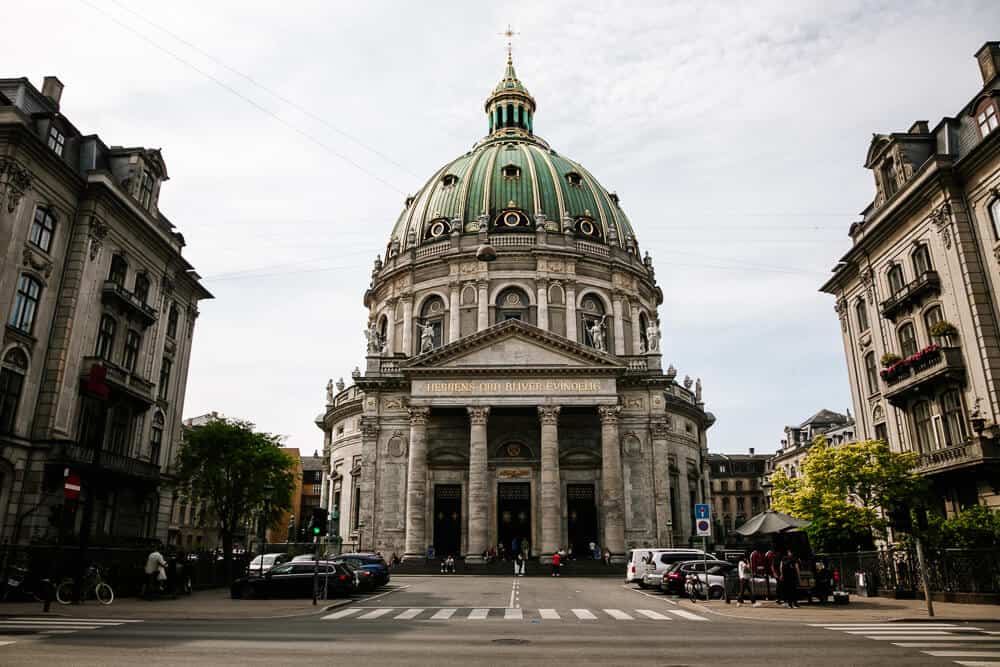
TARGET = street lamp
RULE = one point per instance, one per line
(291, 528)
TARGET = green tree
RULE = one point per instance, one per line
(236, 473)
(844, 489)
(976, 527)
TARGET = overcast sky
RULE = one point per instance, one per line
(734, 135)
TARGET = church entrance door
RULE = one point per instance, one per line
(447, 519)
(513, 513)
(581, 510)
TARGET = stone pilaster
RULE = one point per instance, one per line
(619, 323)
(658, 429)
(453, 312)
(390, 329)
(369, 454)
(483, 302)
(551, 484)
(416, 485)
(407, 324)
(612, 494)
(685, 512)
(542, 300)
(571, 310)
(478, 490)
(636, 331)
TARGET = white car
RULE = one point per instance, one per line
(643, 573)
(717, 577)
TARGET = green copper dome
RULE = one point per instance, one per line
(512, 182)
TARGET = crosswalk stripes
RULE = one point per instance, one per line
(965, 644)
(13, 626)
(508, 614)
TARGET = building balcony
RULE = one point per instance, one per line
(911, 295)
(974, 452)
(935, 366)
(120, 379)
(73, 454)
(116, 295)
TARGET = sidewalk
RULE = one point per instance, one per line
(859, 610)
(212, 604)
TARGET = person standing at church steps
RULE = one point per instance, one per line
(556, 561)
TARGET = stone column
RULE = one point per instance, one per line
(479, 495)
(571, 310)
(636, 331)
(416, 485)
(612, 485)
(658, 429)
(407, 325)
(483, 301)
(551, 483)
(390, 329)
(453, 312)
(543, 304)
(619, 323)
(369, 463)
(685, 512)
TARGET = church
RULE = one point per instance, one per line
(514, 386)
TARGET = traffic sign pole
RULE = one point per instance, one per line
(703, 528)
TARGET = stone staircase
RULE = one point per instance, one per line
(573, 568)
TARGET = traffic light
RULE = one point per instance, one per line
(318, 522)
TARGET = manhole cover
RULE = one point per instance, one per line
(511, 641)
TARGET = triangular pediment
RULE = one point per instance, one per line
(513, 344)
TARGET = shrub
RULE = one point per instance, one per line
(944, 328)
(888, 359)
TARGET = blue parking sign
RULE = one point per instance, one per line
(701, 511)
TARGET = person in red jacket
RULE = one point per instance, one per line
(556, 561)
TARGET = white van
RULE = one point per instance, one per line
(661, 558)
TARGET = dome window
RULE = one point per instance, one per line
(511, 171)
(587, 227)
(449, 180)
(438, 228)
(511, 219)
(574, 179)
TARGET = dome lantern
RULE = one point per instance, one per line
(510, 106)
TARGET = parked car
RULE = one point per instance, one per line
(724, 575)
(265, 562)
(371, 562)
(294, 580)
(673, 580)
(649, 574)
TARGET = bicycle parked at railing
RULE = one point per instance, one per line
(93, 585)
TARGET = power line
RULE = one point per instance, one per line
(251, 102)
(269, 91)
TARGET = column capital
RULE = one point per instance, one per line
(369, 427)
(549, 414)
(418, 416)
(609, 413)
(405, 298)
(659, 427)
(542, 282)
(482, 283)
(478, 414)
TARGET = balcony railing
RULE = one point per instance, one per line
(912, 294)
(433, 249)
(965, 454)
(592, 248)
(121, 379)
(513, 240)
(81, 455)
(943, 365)
(118, 295)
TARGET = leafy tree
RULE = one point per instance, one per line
(235, 473)
(843, 491)
(976, 527)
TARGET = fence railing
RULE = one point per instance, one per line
(895, 570)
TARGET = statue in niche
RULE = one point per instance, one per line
(426, 337)
(653, 336)
(375, 343)
(596, 331)
(329, 392)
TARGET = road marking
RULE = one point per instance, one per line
(977, 663)
(48, 626)
(922, 645)
(376, 613)
(61, 632)
(649, 613)
(512, 615)
(928, 633)
(443, 614)
(945, 638)
(408, 614)
(513, 588)
(584, 614)
(340, 614)
(478, 614)
(840, 626)
(617, 614)
(549, 614)
(80, 620)
(686, 614)
(963, 654)
(7, 643)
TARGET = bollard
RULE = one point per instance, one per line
(47, 597)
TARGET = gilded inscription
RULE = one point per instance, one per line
(512, 386)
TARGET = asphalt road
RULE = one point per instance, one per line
(496, 620)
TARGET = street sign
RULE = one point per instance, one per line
(701, 511)
(703, 527)
(71, 488)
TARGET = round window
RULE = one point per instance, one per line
(438, 229)
(587, 227)
(511, 219)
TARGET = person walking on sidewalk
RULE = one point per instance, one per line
(156, 571)
(519, 565)
(746, 580)
(556, 561)
(790, 580)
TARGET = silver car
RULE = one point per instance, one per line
(662, 559)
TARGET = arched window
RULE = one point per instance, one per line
(896, 281)
(12, 372)
(953, 417)
(383, 331)
(430, 328)
(163, 387)
(861, 313)
(146, 189)
(42, 229)
(923, 425)
(921, 260)
(594, 329)
(172, 321)
(871, 372)
(995, 217)
(29, 293)
(643, 339)
(512, 304)
(156, 439)
(907, 340)
(932, 317)
(141, 290)
(119, 269)
(888, 171)
(106, 337)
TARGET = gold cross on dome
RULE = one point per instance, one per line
(509, 34)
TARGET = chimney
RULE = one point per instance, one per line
(989, 61)
(52, 88)
(751, 451)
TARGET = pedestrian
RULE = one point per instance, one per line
(430, 552)
(607, 557)
(515, 547)
(519, 565)
(556, 561)
(790, 580)
(569, 553)
(450, 564)
(746, 580)
(155, 572)
(594, 552)
(526, 548)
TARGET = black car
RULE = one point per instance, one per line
(374, 564)
(295, 580)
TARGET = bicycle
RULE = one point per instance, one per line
(93, 584)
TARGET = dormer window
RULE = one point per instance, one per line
(574, 179)
(449, 180)
(56, 140)
(511, 171)
(146, 189)
(987, 119)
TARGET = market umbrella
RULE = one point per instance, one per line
(769, 522)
